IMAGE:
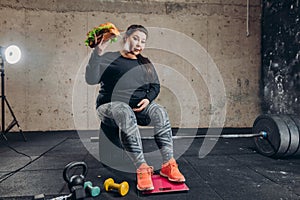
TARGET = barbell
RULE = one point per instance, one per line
(274, 136)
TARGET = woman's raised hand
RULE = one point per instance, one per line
(101, 46)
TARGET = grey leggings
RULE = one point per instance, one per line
(127, 120)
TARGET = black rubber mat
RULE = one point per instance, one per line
(232, 170)
(29, 183)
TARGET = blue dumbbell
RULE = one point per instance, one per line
(90, 189)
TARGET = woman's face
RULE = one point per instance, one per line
(136, 42)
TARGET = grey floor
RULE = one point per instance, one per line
(232, 170)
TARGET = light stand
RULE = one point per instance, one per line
(4, 102)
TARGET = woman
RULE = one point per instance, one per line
(129, 85)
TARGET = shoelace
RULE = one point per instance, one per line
(174, 166)
(148, 170)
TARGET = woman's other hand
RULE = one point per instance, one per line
(141, 105)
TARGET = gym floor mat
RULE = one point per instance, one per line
(232, 170)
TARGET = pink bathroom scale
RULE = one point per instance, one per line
(163, 185)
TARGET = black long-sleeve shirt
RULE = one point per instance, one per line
(121, 79)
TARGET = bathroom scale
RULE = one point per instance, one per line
(163, 185)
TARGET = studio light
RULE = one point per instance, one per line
(11, 55)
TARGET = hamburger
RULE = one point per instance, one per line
(103, 32)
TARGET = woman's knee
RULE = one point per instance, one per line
(123, 112)
(159, 114)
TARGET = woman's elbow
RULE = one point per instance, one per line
(91, 81)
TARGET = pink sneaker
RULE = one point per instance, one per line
(171, 171)
(144, 180)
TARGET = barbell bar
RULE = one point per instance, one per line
(260, 134)
(179, 137)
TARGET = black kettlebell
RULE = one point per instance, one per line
(75, 180)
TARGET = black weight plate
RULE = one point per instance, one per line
(264, 146)
(296, 119)
(284, 136)
(294, 135)
(278, 138)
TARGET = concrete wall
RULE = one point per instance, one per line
(47, 91)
